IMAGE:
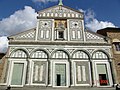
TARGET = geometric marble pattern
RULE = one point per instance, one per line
(90, 36)
(29, 49)
(19, 53)
(39, 54)
(29, 35)
(60, 54)
(26, 35)
(100, 55)
(80, 54)
(90, 50)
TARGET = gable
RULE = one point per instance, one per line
(26, 35)
(60, 12)
(91, 36)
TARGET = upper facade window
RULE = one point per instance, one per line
(60, 34)
(60, 29)
(117, 46)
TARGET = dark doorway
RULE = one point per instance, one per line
(103, 79)
(58, 80)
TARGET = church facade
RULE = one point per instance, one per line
(59, 52)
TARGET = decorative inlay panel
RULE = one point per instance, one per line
(76, 30)
(45, 29)
(27, 35)
(60, 11)
(91, 36)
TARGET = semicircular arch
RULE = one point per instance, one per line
(100, 54)
(19, 52)
(81, 54)
(39, 53)
(60, 53)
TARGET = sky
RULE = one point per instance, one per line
(19, 15)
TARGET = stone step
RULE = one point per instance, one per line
(60, 88)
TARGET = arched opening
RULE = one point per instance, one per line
(17, 67)
(19, 53)
(39, 54)
(100, 55)
(39, 65)
(102, 68)
(60, 54)
(81, 68)
(60, 68)
(80, 55)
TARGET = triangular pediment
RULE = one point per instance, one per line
(92, 36)
(60, 12)
(26, 35)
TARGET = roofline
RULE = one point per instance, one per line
(61, 6)
(21, 32)
(108, 29)
(96, 33)
(59, 18)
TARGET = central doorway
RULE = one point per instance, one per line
(60, 74)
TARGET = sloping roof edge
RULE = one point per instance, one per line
(108, 29)
(21, 32)
(62, 6)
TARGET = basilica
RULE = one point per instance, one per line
(59, 52)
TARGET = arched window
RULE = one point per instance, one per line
(100, 55)
(39, 54)
(19, 53)
(60, 54)
(80, 54)
(116, 43)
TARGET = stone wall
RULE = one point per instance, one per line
(2, 68)
(116, 54)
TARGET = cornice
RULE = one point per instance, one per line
(57, 43)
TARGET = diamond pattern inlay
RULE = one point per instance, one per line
(90, 36)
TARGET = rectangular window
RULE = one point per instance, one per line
(117, 46)
(61, 34)
(17, 74)
(47, 34)
(36, 73)
(73, 34)
(84, 73)
(79, 73)
(41, 73)
(79, 34)
(42, 34)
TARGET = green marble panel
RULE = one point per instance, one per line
(17, 74)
